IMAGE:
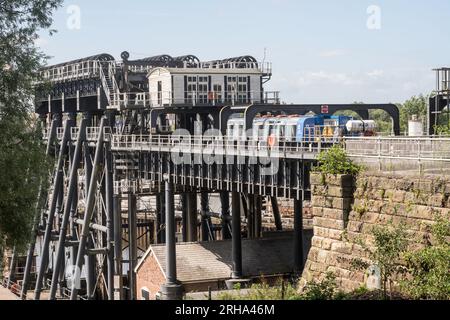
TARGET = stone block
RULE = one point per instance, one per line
(354, 226)
(322, 256)
(316, 242)
(335, 214)
(436, 200)
(404, 184)
(316, 179)
(425, 185)
(399, 196)
(343, 192)
(317, 212)
(327, 233)
(421, 212)
(342, 247)
(342, 203)
(328, 223)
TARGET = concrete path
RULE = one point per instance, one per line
(5, 294)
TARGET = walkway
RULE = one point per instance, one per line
(5, 294)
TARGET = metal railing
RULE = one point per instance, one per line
(222, 145)
(423, 148)
(79, 70)
(194, 98)
(91, 133)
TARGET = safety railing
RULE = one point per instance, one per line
(220, 145)
(431, 148)
(194, 98)
(79, 70)
(91, 133)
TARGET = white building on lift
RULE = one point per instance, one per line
(224, 82)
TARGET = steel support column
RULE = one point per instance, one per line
(118, 286)
(132, 245)
(90, 202)
(236, 240)
(109, 181)
(276, 213)
(58, 182)
(205, 215)
(191, 206)
(184, 216)
(225, 216)
(171, 290)
(68, 205)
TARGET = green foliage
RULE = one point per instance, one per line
(390, 243)
(336, 161)
(320, 290)
(262, 291)
(442, 130)
(23, 164)
(417, 105)
(429, 267)
(382, 119)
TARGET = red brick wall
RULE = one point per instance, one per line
(150, 276)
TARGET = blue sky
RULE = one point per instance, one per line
(322, 51)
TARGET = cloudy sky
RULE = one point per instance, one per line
(322, 51)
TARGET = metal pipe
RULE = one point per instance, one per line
(89, 260)
(171, 271)
(204, 211)
(12, 268)
(35, 229)
(236, 240)
(158, 219)
(67, 209)
(225, 218)
(162, 226)
(118, 247)
(48, 230)
(92, 226)
(132, 244)
(184, 216)
(89, 209)
(192, 217)
(258, 217)
(298, 235)
(109, 181)
(276, 213)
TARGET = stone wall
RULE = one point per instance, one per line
(345, 210)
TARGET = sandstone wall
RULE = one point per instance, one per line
(345, 209)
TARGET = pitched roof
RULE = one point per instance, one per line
(212, 260)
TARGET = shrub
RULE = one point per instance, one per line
(336, 161)
(390, 243)
(321, 290)
(429, 268)
(262, 291)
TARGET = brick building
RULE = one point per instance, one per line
(208, 264)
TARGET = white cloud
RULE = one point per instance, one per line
(370, 86)
(375, 73)
(332, 53)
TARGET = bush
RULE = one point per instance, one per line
(262, 291)
(322, 290)
(390, 243)
(429, 268)
(336, 161)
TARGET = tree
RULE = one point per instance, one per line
(429, 266)
(414, 106)
(23, 164)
